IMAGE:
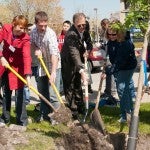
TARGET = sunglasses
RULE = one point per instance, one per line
(81, 25)
(112, 34)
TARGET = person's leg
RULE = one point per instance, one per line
(26, 94)
(132, 89)
(123, 79)
(21, 112)
(78, 94)
(90, 79)
(35, 72)
(53, 97)
(107, 90)
(61, 84)
(6, 99)
(43, 88)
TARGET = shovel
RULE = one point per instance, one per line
(53, 85)
(86, 91)
(31, 87)
(95, 115)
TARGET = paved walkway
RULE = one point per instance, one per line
(95, 77)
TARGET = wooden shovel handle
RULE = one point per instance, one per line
(53, 85)
(31, 87)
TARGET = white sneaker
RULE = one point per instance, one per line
(121, 120)
(2, 124)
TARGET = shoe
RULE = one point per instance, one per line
(27, 101)
(53, 122)
(37, 107)
(39, 119)
(62, 93)
(2, 124)
(121, 120)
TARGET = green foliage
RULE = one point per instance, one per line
(138, 15)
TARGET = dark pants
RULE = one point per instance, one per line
(44, 88)
(21, 113)
(72, 88)
(110, 85)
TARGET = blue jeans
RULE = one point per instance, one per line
(132, 89)
(26, 93)
(61, 83)
(123, 79)
(53, 96)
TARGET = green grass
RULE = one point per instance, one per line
(42, 135)
(110, 117)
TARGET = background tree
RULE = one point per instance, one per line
(138, 14)
(30, 7)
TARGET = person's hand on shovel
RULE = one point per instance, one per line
(52, 77)
(28, 80)
(103, 76)
(38, 53)
(3, 61)
(84, 77)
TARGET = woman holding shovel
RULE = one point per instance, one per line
(122, 57)
(16, 53)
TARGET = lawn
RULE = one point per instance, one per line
(43, 135)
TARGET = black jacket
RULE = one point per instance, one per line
(123, 58)
(73, 49)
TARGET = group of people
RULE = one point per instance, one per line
(64, 57)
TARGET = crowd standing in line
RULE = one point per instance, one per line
(74, 43)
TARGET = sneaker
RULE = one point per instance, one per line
(2, 124)
(27, 101)
(39, 119)
(53, 122)
(121, 120)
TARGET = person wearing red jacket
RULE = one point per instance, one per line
(66, 26)
(16, 53)
(61, 37)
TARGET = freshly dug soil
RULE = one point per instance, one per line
(81, 136)
(63, 115)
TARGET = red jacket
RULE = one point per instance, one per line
(20, 59)
(61, 40)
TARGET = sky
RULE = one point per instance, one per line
(104, 8)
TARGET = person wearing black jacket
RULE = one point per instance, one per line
(72, 58)
(123, 60)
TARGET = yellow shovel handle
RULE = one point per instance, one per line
(53, 85)
(31, 87)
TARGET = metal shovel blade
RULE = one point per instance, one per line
(97, 121)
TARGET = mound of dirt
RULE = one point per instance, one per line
(85, 137)
(63, 115)
(12, 135)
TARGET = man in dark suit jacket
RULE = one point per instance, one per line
(72, 56)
